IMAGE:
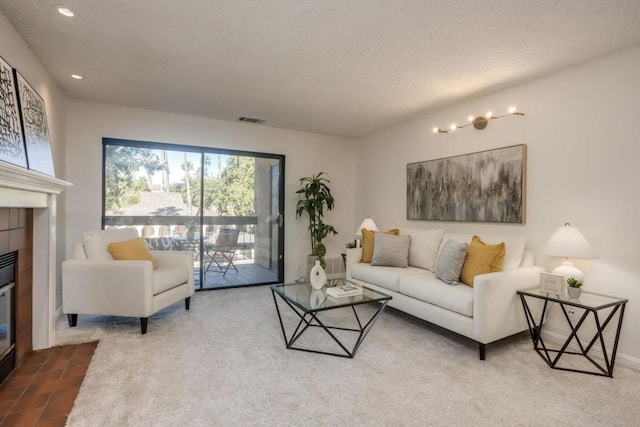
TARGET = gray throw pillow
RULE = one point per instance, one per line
(390, 250)
(450, 261)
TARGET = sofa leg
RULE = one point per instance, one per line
(187, 303)
(143, 324)
(73, 320)
(483, 350)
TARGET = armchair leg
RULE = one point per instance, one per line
(73, 320)
(187, 303)
(143, 324)
(483, 351)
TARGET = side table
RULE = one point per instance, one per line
(591, 304)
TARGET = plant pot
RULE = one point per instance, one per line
(574, 292)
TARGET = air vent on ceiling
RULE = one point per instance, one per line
(250, 120)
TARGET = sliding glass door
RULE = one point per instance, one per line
(223, 206)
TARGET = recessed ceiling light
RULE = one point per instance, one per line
(76, 76)
(63, 10)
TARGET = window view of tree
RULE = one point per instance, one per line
(200, 200)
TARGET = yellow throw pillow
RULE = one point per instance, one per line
(481, 259)
(131, 250)
(368, 239)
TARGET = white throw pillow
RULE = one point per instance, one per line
(96, 243)
(425, 243)
(390, 250)
(450, 261)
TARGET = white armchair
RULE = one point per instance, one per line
(94, 283)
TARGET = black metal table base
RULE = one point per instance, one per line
(552, 356)
(310, 319)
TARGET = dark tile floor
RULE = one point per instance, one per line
(41, 392)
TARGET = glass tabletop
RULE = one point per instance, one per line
(308, 299)
(587, 300)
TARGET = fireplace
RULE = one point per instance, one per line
(28, 216)
(7, 314)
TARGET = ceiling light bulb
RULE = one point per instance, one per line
(489, 114)
(471, 118)
(76, 76)
(454, 126)
(436, 130)
(65, 11)
(512, 110)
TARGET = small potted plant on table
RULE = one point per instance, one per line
(575, 287)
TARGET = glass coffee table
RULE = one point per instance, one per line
(309, 304)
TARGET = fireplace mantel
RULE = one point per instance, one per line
(22, 188)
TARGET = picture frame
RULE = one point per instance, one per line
(12, 147)
(552, 283)
(485, 186)
(35, 130)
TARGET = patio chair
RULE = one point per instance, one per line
(222, 251)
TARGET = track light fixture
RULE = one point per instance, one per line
(479, 122)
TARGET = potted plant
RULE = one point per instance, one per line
(314, 198)
(574, 288)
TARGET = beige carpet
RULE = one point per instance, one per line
(224, 364)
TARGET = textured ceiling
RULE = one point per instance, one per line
(341, 67)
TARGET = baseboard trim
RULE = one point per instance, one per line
(621, 359)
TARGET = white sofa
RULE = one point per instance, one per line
(94, 283)
(486, 312)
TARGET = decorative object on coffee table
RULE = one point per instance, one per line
(575, 287)
(568, 242)
(317, 278)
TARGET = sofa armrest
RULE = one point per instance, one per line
(497, 312)
(117, 288)
(354, 255)
(176, 259)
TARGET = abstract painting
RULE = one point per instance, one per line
(11, 138)
(488, 186)
(34, 123)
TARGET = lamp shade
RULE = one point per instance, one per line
(368, 224)
(568, 242)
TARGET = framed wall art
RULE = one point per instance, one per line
(487, 186)
(11, 138)
(34, 125)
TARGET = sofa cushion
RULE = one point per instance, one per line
(481, 259)
(424, 246)
(166, 278)
(390, 250)
(368, 243)
(450, 261)
(131, 250)
(427, 288)
(386, 277)
(514, 246)
(96, 242)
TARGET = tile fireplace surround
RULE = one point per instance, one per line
(21, 188)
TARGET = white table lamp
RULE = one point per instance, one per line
(368, 224)
(568, 242)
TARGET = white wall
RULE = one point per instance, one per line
(306, 154)
(16, 52)
(581, 133)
